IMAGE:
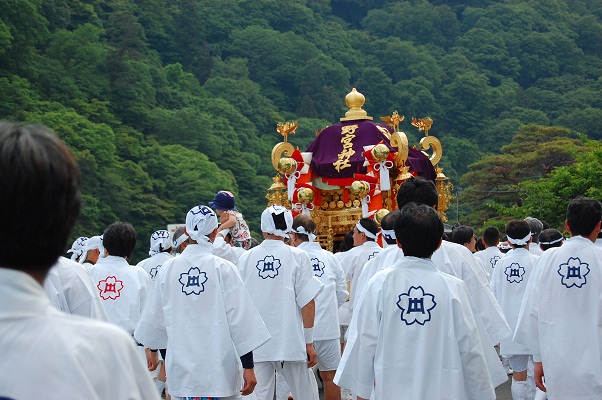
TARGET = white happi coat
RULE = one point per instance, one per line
(458, 261)
(560, 319)
(122, 288)
(353, 261)
(47, 353)
(153, 264)
(390, 255)
(202, 314)
(508, 283)
(414, 336)
(490, 256)
(69, 287)
(280, 280)
(387, 257)
(535, 249)
(225, 251)
(334, 293)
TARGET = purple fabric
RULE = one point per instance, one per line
(328, 145)
(421, 164)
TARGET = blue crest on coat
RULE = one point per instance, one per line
(514, 273)
(193, 281)
(268, 267)
(318, 267)
(416, 306)
(573, 272)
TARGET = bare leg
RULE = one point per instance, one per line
(331, 391)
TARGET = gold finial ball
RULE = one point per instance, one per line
(359, 188)
(287, 165)
(355, 99)
(380, 152)
(380, 214)
(305, 195)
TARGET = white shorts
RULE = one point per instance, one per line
(299, 378)
(519, 362)
(329, 354)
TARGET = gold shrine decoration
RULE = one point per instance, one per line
(355, 100)
(423, 124)
(380, 214)
(431, 141)
(278, 150)
(287, 165)
(336, 209)
(400, 140)
(393, 120)
(380, 152)
(444, 188)
(286, 128)
(342, 161)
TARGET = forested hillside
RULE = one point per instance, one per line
(166, 102)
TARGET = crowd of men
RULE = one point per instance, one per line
(418, 317)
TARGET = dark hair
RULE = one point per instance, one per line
(550, 235)
(388, 223)
(419, 191)
(517, 229)
(462, 234)
(177, 233)
(119, 239)
(419, 230)
(347, 243)
(307, 223)
(536, 227)
(491, 236)
(40, 200)
(479, 245)
(582, 215)
(370, 225)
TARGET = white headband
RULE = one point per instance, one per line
(301, 231)
(365, 231)
(181, 239)
(389, 234)
(520, 242)
(94, 243)
(200, 222)
(276, 220)
(553, 241)
(159, 242)
(78, 248)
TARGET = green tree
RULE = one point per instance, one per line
(548, 198)
(492, 183)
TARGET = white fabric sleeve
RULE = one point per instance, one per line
(307, 286)
(341, 283)
(151, 330)
(356, 369)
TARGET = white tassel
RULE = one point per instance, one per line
(383, 169)
(292, 181)
(365, 201)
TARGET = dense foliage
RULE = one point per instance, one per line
(165, 102)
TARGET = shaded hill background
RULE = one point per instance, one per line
(166, 102)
